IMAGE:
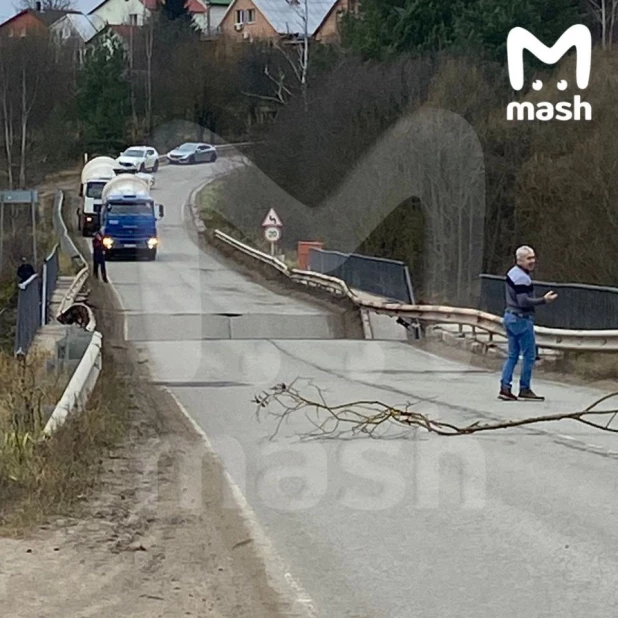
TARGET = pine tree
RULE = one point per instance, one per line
(176, 9)
(103, 102)
(386, 28)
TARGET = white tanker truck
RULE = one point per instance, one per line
(95, 175)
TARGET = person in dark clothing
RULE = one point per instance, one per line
(519, 324)
(98, 256)
(25, 270)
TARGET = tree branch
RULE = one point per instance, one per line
(290, 62)
(281, 87)
(263, 97)
(365, 417)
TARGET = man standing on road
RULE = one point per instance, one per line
(519, 324)
(98, 256)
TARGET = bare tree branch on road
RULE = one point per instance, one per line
(366, 417)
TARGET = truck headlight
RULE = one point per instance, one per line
(108, 242)
(153, 242)
(88, 218)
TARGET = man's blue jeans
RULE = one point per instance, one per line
(520, 336)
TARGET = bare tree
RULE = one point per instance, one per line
(295, 51)
(301, 66)
(35, 79)
(33, 68)
(6, 111)
(132, 76)
(604, 12)
(149, 41)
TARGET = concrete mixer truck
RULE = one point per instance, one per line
(129, 217)
(95, 175)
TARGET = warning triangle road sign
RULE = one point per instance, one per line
(272, 219)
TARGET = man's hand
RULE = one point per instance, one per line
(550, 296)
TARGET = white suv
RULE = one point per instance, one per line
(139, 158)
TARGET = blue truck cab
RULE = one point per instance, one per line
(129, 224)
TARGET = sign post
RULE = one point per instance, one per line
(272, 235)
(272, 229)
(18, 197)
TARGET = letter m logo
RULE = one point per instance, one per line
(577, 36)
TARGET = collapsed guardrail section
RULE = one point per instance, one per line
(551, 338)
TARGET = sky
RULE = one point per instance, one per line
(8, 8)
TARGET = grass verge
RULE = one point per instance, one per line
(44, 478)
(211, 203)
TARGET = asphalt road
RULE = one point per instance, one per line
(510, 524)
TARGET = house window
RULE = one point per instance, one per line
(133, 19)
(240, 17)
(250, 16)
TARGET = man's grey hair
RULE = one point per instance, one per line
(523, 252)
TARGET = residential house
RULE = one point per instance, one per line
(130, 37)
(272, 19)
(75, 31)
(77, 25)
(31, 21)
(215, 12)
(134, 12)
(121, 12)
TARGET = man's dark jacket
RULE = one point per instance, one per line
(98, 249)
(25, 271)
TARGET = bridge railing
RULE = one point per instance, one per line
(605, 340)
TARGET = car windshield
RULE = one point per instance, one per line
(138, 208)
(95, 189)
(133, 152)
(186, 147)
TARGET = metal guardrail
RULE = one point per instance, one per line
(79, 261)
(51, 268)
(552, 338)
(34, 295)
(579, 306)
(66, 243)
(86, 374)
(28, 313)
(33, 298)
(380, 276)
